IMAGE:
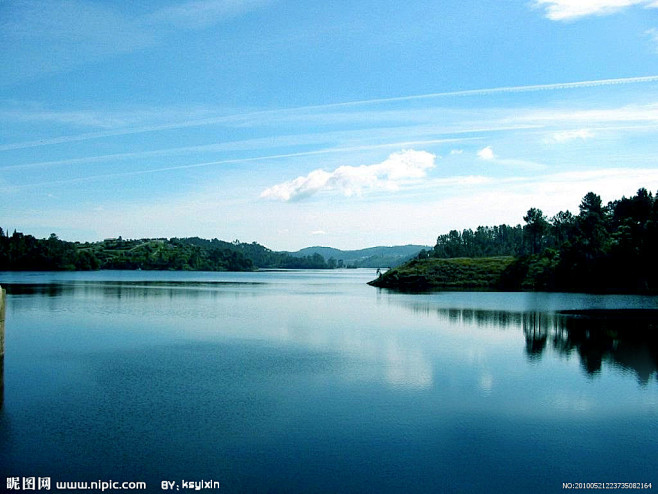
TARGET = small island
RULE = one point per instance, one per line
(604, 249)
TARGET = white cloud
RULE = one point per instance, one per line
(390, 221)
(397, 169)
(571, 135)
(486, 153)
(456, 151)
(319, 232)
(564, 10)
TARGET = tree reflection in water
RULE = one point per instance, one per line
(626, 339)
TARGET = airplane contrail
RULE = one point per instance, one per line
(217, 147)
(239, 160)
(283, 111)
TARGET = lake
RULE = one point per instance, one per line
(313, 381)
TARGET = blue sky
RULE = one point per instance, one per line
(342, 123)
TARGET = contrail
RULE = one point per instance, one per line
(283, 111)
(239, 160)
(217, 147)
(516, 89)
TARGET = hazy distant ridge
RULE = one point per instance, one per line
(371, 257)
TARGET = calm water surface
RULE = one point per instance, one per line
(311, 381)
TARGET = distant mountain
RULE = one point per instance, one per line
(372, 257)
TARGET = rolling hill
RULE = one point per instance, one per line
(372, 257)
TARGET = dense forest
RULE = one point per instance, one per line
(25, 252)
(604, 248)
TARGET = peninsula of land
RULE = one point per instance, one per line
(604, 248)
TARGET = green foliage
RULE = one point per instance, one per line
(535, 229)
(446, 274)
(603, 249)
(486, 241)
(174, 254)
(24, 252)
(261, 256)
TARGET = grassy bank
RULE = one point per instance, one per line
(462, 273)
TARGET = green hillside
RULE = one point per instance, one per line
(20, 252)
(462, 273)
(371, 257)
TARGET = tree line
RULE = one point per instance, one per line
(20, 252)
(261, 256)
(606, 248)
